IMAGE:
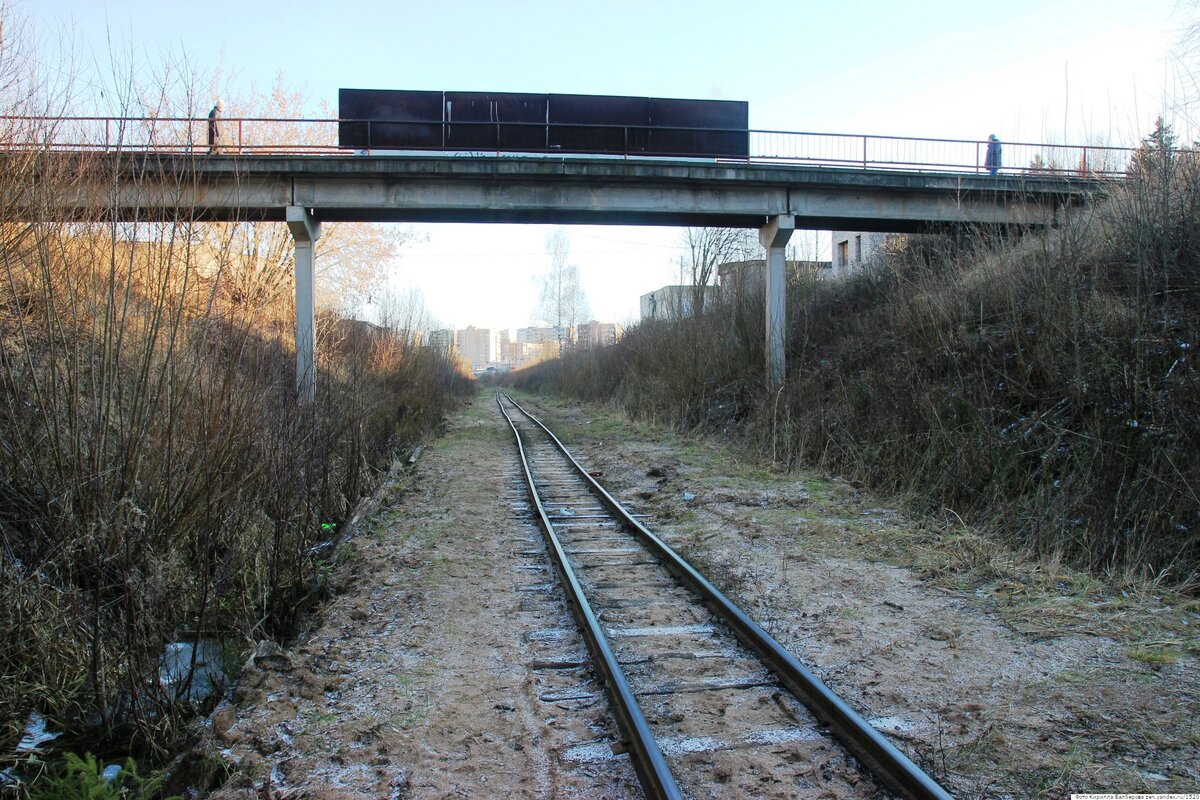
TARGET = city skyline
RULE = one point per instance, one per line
(517, 347)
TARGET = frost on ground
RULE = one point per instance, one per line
(416, 680)
(1001, 676)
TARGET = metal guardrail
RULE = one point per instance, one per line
(317, 136)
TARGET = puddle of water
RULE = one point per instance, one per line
(175, 664)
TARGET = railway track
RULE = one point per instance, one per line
(706, 702)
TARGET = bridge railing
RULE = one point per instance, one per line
(171, 135)
(307, 136)
(937, 155)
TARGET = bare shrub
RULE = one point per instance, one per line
(159, 480)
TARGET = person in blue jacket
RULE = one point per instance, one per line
(991, 161)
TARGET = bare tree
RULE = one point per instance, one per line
(351, 258)
(1186, 57)
(707, 249)
(404, 313)
(561, 299)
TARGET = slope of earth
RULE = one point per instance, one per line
(431, 673)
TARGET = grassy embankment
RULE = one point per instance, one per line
(1044, 388)
(159, 481)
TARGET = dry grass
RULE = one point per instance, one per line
(159, 480)
(1045, 388)
(766, 540)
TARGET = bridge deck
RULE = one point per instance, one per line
(594, 190)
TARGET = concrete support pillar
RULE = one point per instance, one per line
(305, 231)
(774, 237)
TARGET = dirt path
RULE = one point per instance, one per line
(418, 682)
(1003, 679)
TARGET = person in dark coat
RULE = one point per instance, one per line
(214, 128)
(992, 160)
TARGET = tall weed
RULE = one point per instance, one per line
(1045, 387)
(159, 480)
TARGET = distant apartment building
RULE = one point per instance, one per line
(517, 347)
(856, 250)
(542, 334)
(477, 345)
(667, 303)
(443, 340)
(596, 334)
(527, 353)
(504, 345)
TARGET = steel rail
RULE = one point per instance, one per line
(648, 761)
(883, 759)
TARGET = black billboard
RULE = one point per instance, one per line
(387, 119)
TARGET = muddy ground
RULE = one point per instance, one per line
(1001, 676)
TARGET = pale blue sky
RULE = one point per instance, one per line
(1027, 70)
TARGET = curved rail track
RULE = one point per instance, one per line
(701, 694)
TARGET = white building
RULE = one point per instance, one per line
(542, 334)
(596, 334)
(477, 345)
(856, 250)
(737, 277)
(442, 340)
(669, 302)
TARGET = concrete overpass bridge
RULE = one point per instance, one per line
(566, 190)
(306, 185)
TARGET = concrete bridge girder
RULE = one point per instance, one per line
(837, 209)
(772, 197)
(507, 189)
(421, 199)
(433, 201)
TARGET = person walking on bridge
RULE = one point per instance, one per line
(991, 161)
(214, 128)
